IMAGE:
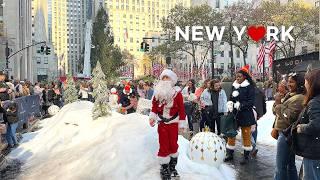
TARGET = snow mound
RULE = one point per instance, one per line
(265, 124)
(73, 146)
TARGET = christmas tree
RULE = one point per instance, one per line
(70, 94)
(100, 93)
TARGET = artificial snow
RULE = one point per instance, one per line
(73, 146)
(265, 124)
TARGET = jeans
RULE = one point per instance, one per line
(11, 134)
(285, 161)
(190, 122)
(311, 169)
(203, 120)
(254, 135)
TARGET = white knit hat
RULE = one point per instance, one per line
(113, 90)
(170, 74)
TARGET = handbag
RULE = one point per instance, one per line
(228, 125)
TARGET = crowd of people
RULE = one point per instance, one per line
(225, 106)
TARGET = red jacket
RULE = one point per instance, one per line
(169, 110)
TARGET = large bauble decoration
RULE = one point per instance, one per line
(207, 148)
(53, 110)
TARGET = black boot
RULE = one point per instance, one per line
(245, 159)
(165, 172)
(172, 164)
(229, 155)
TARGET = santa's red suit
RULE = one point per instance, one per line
(173, 111)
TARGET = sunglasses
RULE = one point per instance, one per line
(293, 74)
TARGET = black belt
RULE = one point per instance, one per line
(163, 119)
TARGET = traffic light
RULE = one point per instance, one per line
(48, 50)
(142, 46)
(146, 47)
(41, 50)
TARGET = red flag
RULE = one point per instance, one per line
(272, 48)
(261, 55)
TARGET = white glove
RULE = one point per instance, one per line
(237, 105)
(230, 106)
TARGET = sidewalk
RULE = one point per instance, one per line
(260, 168)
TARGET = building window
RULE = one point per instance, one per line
(45, 61)
(229, 53)
(238, 53)
(222, 43)
(217, 3)
(221, 65)
(304, 50)
(317, 47)
(38, 60)
(221, 53)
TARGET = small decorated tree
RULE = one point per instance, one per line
(100, 93)
(70, 93)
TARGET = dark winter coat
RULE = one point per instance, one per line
(307, 143)
(244, 93)
(4, 95)
(227, 87)
(260, 103)
(288, 111)
(12, 114)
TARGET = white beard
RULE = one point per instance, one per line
(164, 91)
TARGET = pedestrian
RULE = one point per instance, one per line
(287, 111)
(125, 100)
(12, 120)
(168, 110)
(306, 136)
(4, 88)
(57, 95)
(148, 90)
(260, 108)
(140, 89)
(189, 107)
(242, 98)
(216, 105)
(84, 92)
(25, 89)
(205, 103)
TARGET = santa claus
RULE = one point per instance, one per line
(168, 111)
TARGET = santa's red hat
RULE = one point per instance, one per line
(127, 88)
(246, 69)
(173, 76)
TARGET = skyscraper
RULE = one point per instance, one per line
(17, 23)
(68, 29)
(44, 66)
(131, 20)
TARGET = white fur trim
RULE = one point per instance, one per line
(235, 93)
(153, 115)
(177, 88)
(174, 155)
(230, 106)
(230, 147)
(255, 114)
(237, 105)
(164, 160)
(124, 91)
(173, 76)
(183, 124)
(236, 85)
(247, 148)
